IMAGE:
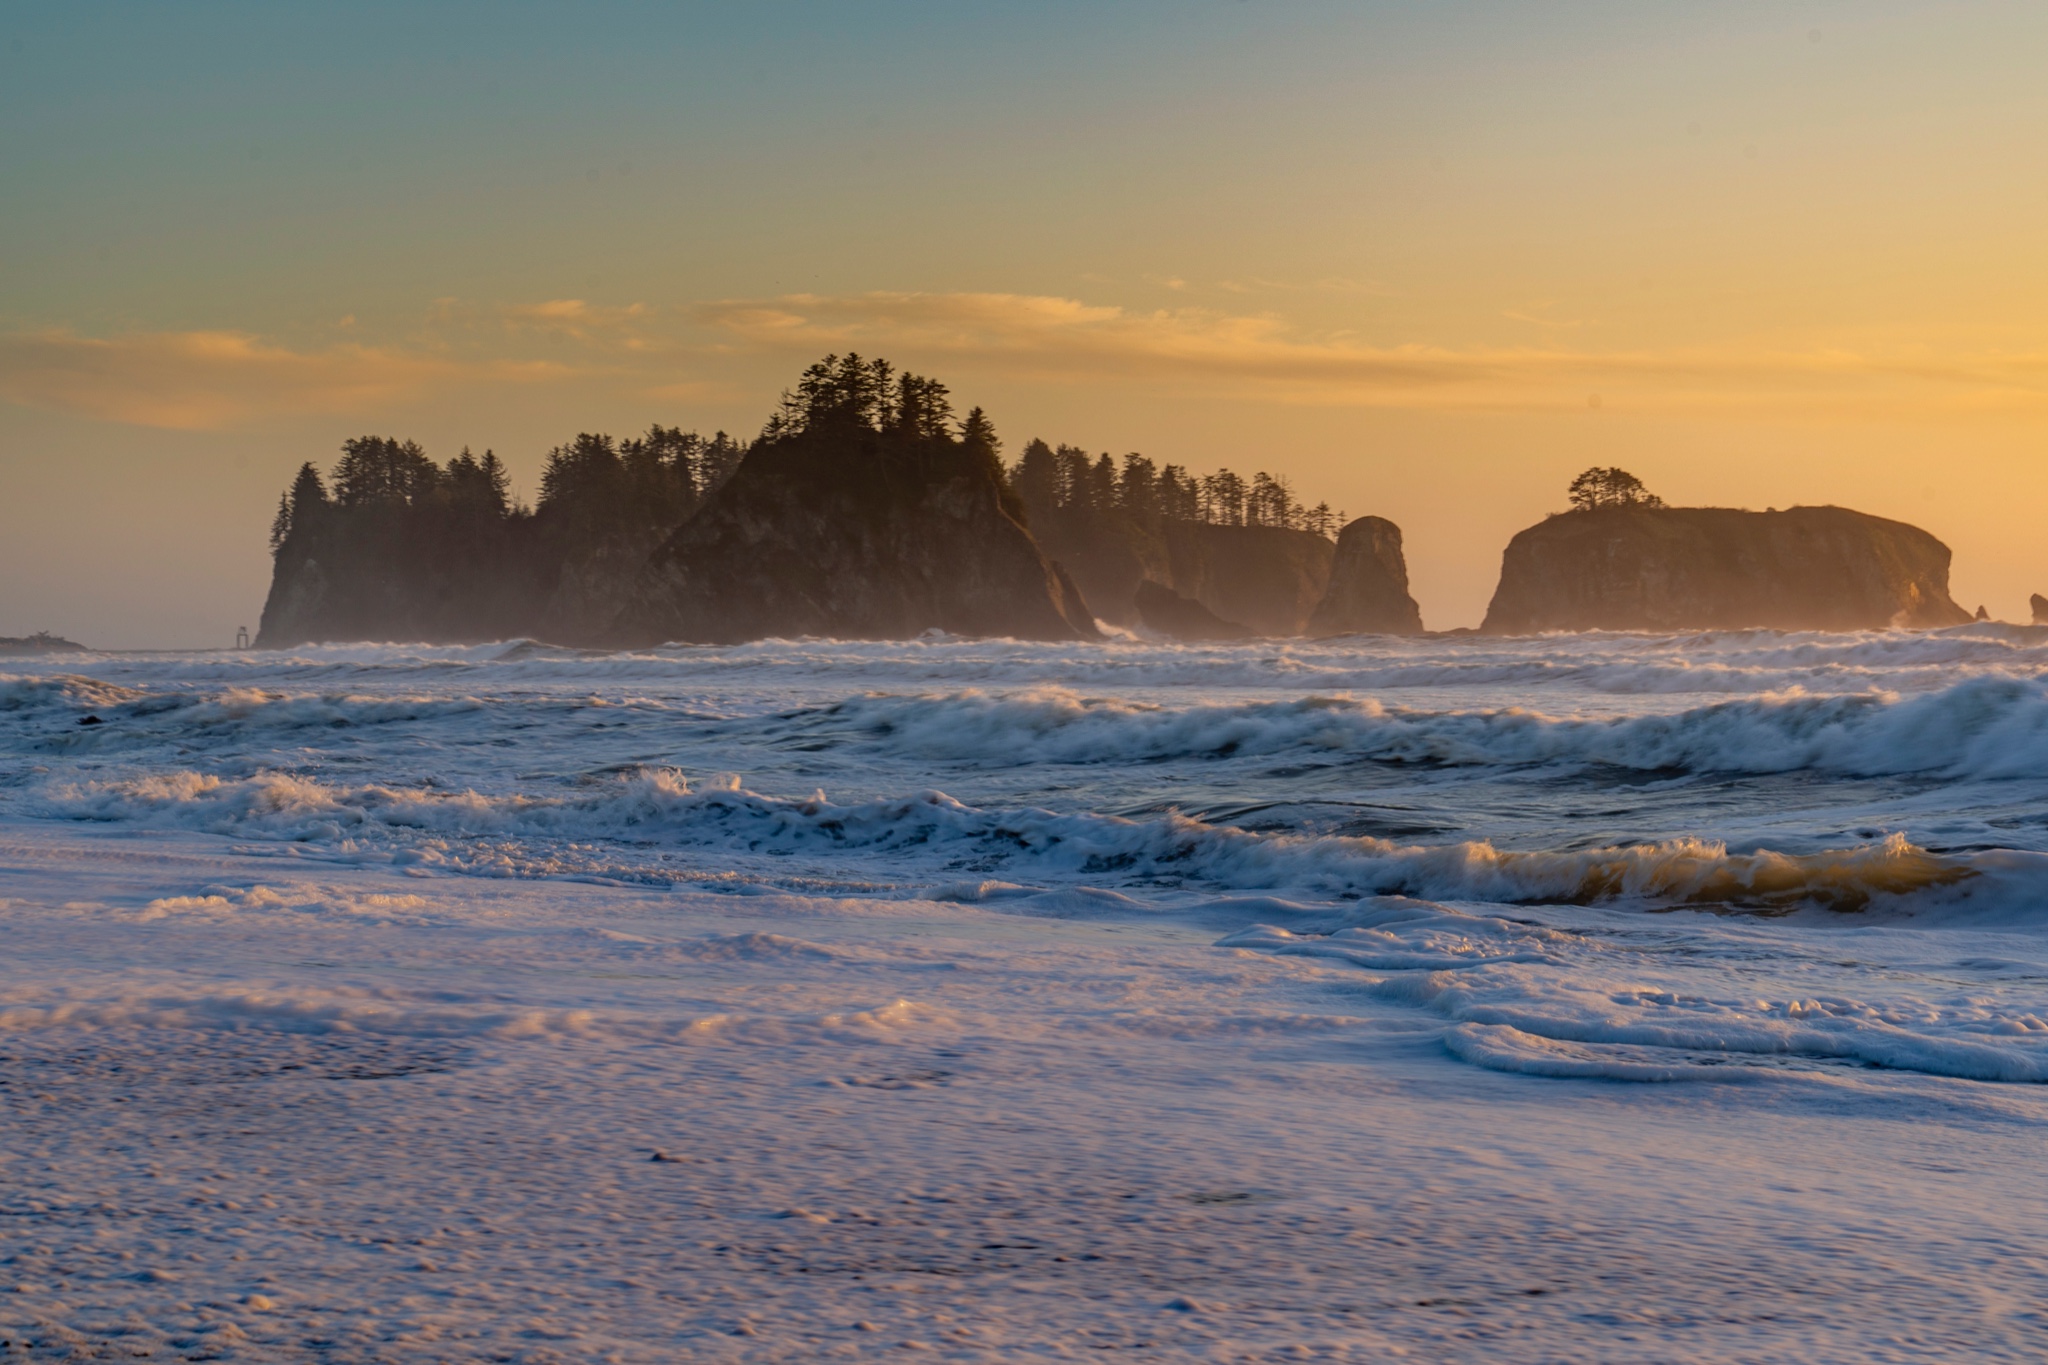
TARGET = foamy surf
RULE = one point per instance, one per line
(1587, 1003)
(915, 833)
(1396, 806)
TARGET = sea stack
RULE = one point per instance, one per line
(1368, 592)
(854, 527)
(2040, 609)
(1713, 568)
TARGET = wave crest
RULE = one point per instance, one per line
(1982, 728)
(661, 806)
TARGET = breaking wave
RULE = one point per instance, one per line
(1986, 727)
(932, 831)
(1983, 728)
(63, 691)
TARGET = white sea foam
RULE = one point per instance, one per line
(440, 949)
(526, 760)
(1532, 998)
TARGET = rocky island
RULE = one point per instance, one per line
(864, 509)
(1644, 566)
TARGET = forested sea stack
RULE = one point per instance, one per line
(859, 513)
(1649, 567)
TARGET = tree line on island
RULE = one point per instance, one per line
(595, 486)
(1065, 480)
(867, 507)
(591, 487)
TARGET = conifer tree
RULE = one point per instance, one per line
(1036, 477)
(499, 481)
(1610, 487)
(299, 511)
(281, 524)
(719, 458)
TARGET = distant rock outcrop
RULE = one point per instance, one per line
(1685, 568)
(42, 642)
(1166, 612)
(1368, 592)
(2040, 607)
(849, 532)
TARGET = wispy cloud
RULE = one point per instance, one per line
(1263, 355)
(625, 326)
(202, 381)
(725, 350)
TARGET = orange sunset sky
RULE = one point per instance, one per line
(1427, 261)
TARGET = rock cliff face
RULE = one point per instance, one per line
(812, 536)
(1686, 568)
(1368, 592)
(1166, 612)
(1266, 578)
(329, 584)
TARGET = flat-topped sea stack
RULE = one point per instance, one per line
(1715, 568)
(1368, 592)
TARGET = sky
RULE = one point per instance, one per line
(1426, 260)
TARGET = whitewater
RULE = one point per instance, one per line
(1601, 997)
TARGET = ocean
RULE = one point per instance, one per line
(1596, 997)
